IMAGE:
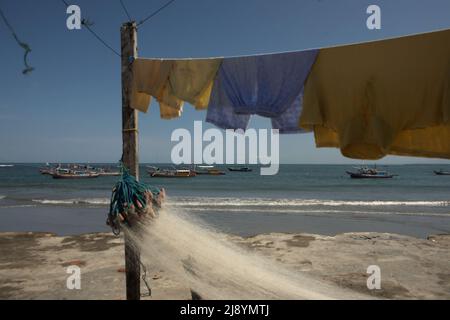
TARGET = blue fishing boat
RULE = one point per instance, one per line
(369, 173)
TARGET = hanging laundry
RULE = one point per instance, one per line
(168, 101)
(140, 101)
(267, 85)
(150, 78)
(168, 113)
(151, 75)
(191, 80)
(287, 122)
(171, 82)
(384, 97)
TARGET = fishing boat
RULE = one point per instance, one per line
(369, 173)
(209, 170)
(174, 173)
(63, 174)
(107, 173)
(442, 173)
(240, 169)
(213, 172)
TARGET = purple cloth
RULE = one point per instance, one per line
(267, 85)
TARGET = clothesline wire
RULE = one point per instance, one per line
(156, 12)
(101, 40)
(23, 45)
(331, 46)
(86, 24)
(125, 9)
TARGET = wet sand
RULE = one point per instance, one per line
(34, 265)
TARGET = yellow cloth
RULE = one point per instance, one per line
(168, 99)
(171, 82)
(140, 101)
(192, 80)
(169, 106)
(151, 78)
(167, 112)
(151, 75)
(385, 97)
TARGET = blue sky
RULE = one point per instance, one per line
(68, 109)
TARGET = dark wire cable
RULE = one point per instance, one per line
(23, 45)
(156, 12)
(126, 11)
(88, 25)
(84, 23)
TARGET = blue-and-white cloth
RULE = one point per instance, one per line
(267, 85)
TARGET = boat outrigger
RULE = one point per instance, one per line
(369, 173)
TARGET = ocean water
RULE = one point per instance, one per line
(300, 198)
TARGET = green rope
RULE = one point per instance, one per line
(128, 193)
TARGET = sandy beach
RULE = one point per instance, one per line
(34, 265)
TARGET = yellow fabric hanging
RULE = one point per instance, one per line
(140, 101)
(379, 98)
(192, 80)
(168, 99)
(151, 78)
(167, 112)
(151, 75)
(171, 82)
(170, 106)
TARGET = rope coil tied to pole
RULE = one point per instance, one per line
(131, 200)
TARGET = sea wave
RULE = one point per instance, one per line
(222, 203)
(313, 212)
(252, 202)
(18, 206)
(91, 201)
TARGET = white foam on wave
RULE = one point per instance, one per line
(18, 206)
(310, 211)
(92, 201)
(239, 202)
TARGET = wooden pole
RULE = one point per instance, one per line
(130, 155)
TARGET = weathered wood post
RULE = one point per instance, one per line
(130, 155)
